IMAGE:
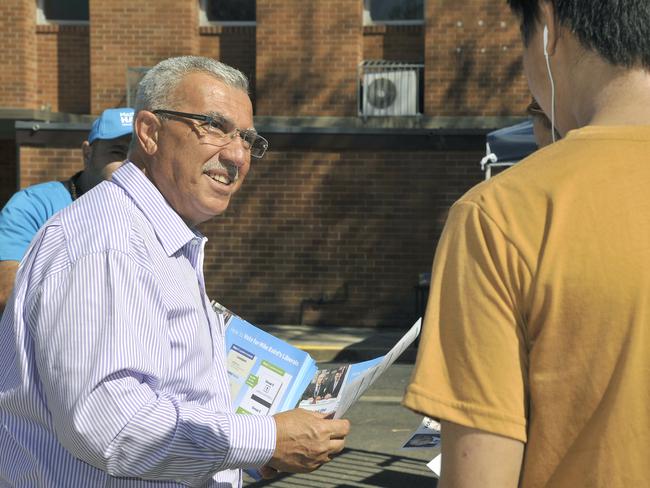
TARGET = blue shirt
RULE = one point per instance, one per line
(25, 213)
(112, 362)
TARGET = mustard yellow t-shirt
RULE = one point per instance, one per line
(538, 320)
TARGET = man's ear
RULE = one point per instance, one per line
(87, 152)
(147, 127)
(549, 22)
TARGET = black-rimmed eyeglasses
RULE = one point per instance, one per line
(220, 131)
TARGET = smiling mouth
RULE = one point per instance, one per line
(220, 179)
(231, 176)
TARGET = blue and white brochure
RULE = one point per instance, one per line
(266, 374)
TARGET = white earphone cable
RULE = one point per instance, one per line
(550, 77)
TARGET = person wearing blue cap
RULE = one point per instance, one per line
(28, 209)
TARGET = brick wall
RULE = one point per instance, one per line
(125, 33)
(394, 43)
(18, 54)
(473, 59)
(307, 57)
(308, 225)
(63, 68)
(38, 164)
(233, 45)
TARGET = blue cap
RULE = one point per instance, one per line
(112, 123)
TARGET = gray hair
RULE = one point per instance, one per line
(156, 89)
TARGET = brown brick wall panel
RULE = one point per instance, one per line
(307, 57)
(306, 225)
(63, 68)
(18, 54)
(394, 43)
(473, 59)
(38, 164)
(234, 46)
(127, 33)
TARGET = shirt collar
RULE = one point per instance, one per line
(172, 232)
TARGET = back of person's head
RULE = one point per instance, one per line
(618, 30)
(157, 87)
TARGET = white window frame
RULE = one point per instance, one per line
(367, 20)
(42, 20)
(203, 18)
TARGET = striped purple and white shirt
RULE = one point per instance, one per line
(112, 362)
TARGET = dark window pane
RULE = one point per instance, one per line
(65, 9)
(230, 10)
(382, 10)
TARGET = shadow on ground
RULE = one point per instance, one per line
(360, 469)
(375, 345)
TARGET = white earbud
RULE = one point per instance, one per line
(550, 77)
(545, 40)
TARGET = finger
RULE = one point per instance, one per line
(339, 428)
(336, 446)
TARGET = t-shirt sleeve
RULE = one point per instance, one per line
(25, 213)
(472, 360)
(18, 224)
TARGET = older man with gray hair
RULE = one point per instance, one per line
(112, 361)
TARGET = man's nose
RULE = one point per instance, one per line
(235, 152)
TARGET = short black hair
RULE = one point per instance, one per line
(618, 30)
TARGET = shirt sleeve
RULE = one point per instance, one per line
(472, 359)
(19, 222)
(101, 353)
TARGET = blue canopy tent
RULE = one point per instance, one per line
(507, 146)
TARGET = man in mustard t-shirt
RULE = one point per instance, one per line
(535, 351)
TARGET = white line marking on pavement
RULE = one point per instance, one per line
(381, 399)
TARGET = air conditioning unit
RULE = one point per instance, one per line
(390, 92)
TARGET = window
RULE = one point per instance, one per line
(239, 12)
(393, 12)
(62, 11)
